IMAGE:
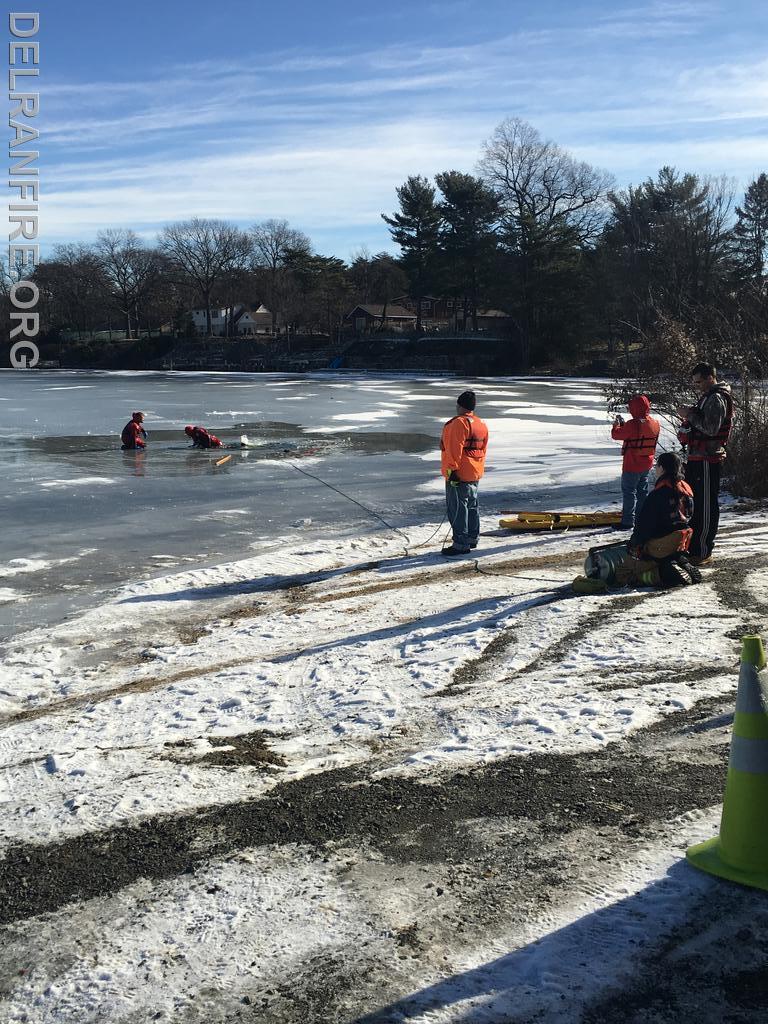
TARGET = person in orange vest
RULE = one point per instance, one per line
(639, 435)
(704, 431)
(462, 461)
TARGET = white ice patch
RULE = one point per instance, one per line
(366, 417)
(80, 481)
(19, 566)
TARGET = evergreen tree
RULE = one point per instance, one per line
(666, 247)
(751, 230)
(416, 229)
(469, 211)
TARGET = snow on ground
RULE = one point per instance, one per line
(352, 663)
(377, 657)
(239, 922)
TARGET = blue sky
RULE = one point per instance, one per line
(315, 111)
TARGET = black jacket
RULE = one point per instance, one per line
(666, 509)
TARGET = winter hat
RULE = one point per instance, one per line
(467, 400)
(189, 430)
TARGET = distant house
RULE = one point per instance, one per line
(372, 316)
(439, 313)
(244, 321)
(436, 313)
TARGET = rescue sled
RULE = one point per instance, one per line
(559, 520)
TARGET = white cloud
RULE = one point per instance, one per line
(324, 138)
(319, 185)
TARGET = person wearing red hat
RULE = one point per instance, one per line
(201, 438)
(462, 461)
(134, 436)
(640, 436)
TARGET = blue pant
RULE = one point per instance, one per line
(634, 490)
(463, 514)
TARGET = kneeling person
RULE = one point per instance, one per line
(134, 436)
(663, 531)
(201, 438)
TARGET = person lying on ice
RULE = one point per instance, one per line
(201, 438)
(640, 435)
(134, 435)
(462, 460)
(663, 531)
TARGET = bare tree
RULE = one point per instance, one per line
(205, 250)
(539, 182)
(552, 206)
(130, 270)
(72, 288)
(275, 243)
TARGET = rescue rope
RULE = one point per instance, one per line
(413, 547)
(408, 545)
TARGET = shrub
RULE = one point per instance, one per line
(746, 468)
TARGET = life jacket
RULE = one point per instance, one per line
(667, 509)
(679, 506)
(708, 447)
(463, 447)
(639, 436)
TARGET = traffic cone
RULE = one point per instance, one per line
(740, 852)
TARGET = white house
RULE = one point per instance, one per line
(245, 321)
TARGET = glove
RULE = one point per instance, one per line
(452, 478)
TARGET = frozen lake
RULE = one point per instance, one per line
(81, 517)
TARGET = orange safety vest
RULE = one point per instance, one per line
(640, 437)
(463, 447)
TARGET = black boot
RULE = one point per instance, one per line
(672, 574)
(691, 571)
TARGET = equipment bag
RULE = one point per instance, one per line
(602, 562)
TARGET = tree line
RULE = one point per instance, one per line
(535, 232)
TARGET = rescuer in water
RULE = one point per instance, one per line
(201, 438)
(640, 435)
(134, 436)
(462, 461)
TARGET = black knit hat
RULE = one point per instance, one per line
(467, 400)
